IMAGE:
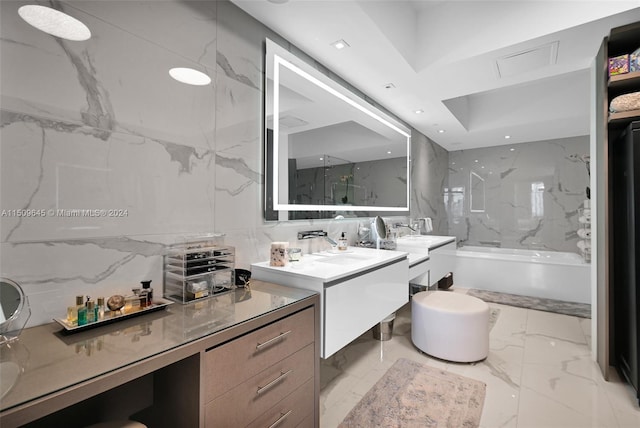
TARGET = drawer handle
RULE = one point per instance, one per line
(259, 346)
(271, 384)
(282, 417)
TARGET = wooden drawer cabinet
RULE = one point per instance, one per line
(295, 410)
(262, 371)
(251, 399)
(231, 364)
(264, 378)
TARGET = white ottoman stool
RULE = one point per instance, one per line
(450, 326)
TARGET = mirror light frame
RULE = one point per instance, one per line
(338, 91)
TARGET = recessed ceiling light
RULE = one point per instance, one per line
(441, 131)
(340, 44)
(189, 76)
(389, 152)
(476, 161)
(507, 137)
(512, 149)
(419, 111)
(389, 86)
(54, 22)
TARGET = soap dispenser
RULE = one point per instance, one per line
(342, 242)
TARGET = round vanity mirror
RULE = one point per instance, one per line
(381, 228)
(14, 310)
(11, 300)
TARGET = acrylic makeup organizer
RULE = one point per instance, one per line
(198, 269)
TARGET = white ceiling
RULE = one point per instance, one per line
(478, 69)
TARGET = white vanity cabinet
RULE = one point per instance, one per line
(353, 306)
(427, 257)
(358, 289)
(439, 263)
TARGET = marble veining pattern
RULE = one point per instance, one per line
(100, 125)
(532, 192)
(430, 176)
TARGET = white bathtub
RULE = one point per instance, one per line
(548, 274)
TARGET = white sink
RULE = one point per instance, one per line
(340, 259)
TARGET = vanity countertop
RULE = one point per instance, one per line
(44, 361)
(417, 258)
(331, 266)
(419, 246)
(431, 242)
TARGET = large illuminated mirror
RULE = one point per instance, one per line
(328, 151)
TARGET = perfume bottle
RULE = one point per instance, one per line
(132, 302)
(82, 315)
(101, 308)
(72, 311)
(92, 312)
(147, 293)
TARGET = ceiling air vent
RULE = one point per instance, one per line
(527, 60)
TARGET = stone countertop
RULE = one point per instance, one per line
(46, 360)
(331, 266)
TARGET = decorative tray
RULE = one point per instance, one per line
(113, 316)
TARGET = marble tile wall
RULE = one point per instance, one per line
(100, 125)
(430, 177)
(532, 193)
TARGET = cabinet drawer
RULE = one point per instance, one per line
(291, 411)
(252, 398)
(231, 364)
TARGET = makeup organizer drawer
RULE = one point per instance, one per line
(231, 364)
(198, 270)
(253, 398)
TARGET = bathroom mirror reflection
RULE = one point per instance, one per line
(327, 150)
(476, 186)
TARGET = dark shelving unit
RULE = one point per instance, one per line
(623, 139)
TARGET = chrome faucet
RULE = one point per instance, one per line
(313, 234)
(331, 241)
(404, 225)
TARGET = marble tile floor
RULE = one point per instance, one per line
(539, 373)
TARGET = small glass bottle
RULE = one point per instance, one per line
(72, 311)
(148, 292)
(82, 315)
(91, 312)
(101, 308)
(132, 302)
